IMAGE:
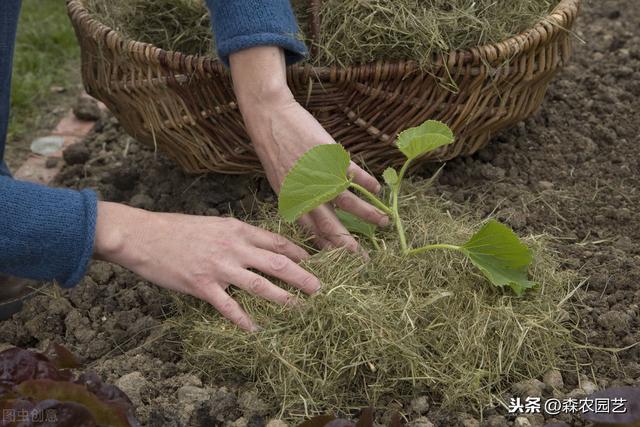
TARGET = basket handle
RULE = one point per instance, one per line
(314, 25)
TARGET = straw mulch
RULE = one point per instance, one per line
(393, 327)
(352, 31)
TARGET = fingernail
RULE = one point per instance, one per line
(378, 188)
(384, 221)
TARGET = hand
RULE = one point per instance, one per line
(202, 256)
(282, 131)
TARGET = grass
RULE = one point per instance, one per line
(394, 327)
(47, 54)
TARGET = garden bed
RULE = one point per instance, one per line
(572, 171)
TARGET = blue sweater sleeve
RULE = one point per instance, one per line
(45, 233)
(240, 24)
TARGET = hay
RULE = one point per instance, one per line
(352, 31)
(391, 328)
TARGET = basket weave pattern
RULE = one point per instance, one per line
(185, 104)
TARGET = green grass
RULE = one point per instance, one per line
(47, 54)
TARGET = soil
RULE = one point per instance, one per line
(571, 171)
(51, 109)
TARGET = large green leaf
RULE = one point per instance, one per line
(501, 256)
(355, 224)
(317, 177)
(415, 142)
(390, 177)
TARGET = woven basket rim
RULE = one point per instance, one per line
(560, 19)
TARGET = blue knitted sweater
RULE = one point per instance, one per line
(48, 234)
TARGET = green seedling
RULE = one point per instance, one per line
(320, 175)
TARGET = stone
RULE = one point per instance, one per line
(576, 393)
(529, 388)
(496, 421)
(420, 405)
(469, 421)
(87, 109)
(535, 420)
(132, 384)
(421, 422)
(240, 422)
(553, 380)
(76, 154)
(589, 387)
(51, 162)
(522, 422)
(277, 423)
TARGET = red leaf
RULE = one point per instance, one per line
(62, 357)
(18, 365)
(105, 413)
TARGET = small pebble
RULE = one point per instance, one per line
(553, 380)
(51, 162)
(86, 109)
(421, 422)
(76, 154)
(420, 405)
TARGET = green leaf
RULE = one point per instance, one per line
(390, 176)
(415, 142)
(317, 177)
(501, 256)
(355, 224)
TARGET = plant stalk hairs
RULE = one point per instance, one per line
(320, 175)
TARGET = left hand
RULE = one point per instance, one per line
(282, 131)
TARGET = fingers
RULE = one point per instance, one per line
(363, 178)
(277, 265)
(260, 286)
(276, 243)
(351, 203)
(328, 226)
(228, 307)
(307, 223)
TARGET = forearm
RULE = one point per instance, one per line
(45, 233)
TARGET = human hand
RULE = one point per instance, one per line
(282, 131)
(202, 256)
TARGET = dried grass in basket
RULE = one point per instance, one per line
(185, 105)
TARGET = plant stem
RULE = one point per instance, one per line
(397, 220)
(372, 198)
(432, 247)
(374, 241)
(396, 214)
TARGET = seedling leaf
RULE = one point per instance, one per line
(355, 224)
(501, 256)
(390, 176)
(415, 142)
(317, 177)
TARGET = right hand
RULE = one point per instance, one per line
(202, 256)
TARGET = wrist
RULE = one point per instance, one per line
(259, 78)
(118, 228)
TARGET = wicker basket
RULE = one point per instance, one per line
(185, 104)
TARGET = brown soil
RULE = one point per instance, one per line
(572, 171)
